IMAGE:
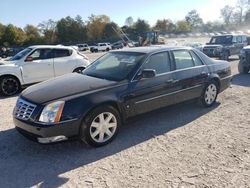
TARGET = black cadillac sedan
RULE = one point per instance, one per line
(121, 84)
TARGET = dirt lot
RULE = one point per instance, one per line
(179, 146)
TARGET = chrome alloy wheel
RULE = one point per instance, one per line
(210, 94)
(103, 127)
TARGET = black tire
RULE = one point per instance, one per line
(205, 101)
(242, 69)
(79, 70)
(86, 128)
(9, 86)
(107, 49)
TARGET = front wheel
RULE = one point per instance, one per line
(242, 69)
(100, 126)
(210, 94)
(9, 86)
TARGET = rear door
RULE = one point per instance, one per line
(149, 94)
(191, 74)
(63, 61)
(41, 68)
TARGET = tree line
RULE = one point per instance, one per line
(99, 28)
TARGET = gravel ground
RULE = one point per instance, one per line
(180, 146)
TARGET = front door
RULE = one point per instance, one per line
(40, 68)
(152, 93)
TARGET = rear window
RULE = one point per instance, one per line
(62, 53)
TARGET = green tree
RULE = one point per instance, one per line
(164, 25)
(2, 30)
(96, 25)
(194, 19)
(141, 26)
(13, 36)
(33, 36)
(70, 30)
(183, 27)
(108, 31)
(48, 29)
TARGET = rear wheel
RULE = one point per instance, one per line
(107, 49)
(242, 69)
(210, 94)
(9, 86)
(100, 126)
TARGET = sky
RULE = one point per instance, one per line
(33, 12)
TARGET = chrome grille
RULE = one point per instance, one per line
(23, 109)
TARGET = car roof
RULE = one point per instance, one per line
(153, 49)
(52, 46)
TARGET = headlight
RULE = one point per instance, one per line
(52, 112)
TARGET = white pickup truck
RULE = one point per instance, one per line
(38, 63)
(101, 47)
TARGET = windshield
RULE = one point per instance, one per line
(21, 54)
(114, 66)
(221, 40)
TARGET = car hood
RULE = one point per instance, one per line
(6, 63)
(64, 86)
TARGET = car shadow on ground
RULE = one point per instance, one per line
(241, 80)
(6, 97)
(26, 163)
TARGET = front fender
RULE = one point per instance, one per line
(13, 71)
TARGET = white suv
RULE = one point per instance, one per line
(101, 47)
(39, 63)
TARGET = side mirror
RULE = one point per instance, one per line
(29, 59)
(148, 73)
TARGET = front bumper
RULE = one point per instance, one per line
(225, 83)
(47, 134)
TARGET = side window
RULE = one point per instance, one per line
(41, 54)
(183, 59)
(196, 59)
(62, 53)
(158, 62)
(244, 39)
(239, 39)
(234, 40)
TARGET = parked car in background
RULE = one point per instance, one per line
(196, 45)
(117, 45)
(244, 64)
(223, 46)
(101, 47)
(83, 47)
(75, 47)
(36, 64)
(117, 86)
